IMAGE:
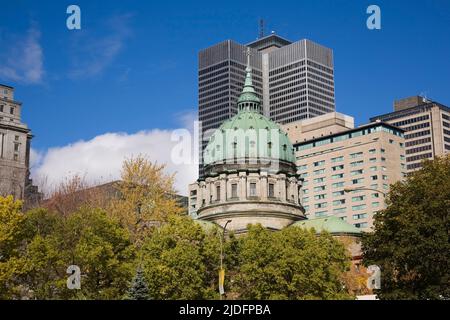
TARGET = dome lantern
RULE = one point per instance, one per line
(248, 100)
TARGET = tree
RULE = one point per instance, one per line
(74, 193)
(139, 288)
(410, 242)
(50, 243)
(181, 261)
(11, 235)
(146, 197)
(291, 264)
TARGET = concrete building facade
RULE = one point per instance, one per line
(427, 128)
(347, 170)
(293, 80)
(15, 139)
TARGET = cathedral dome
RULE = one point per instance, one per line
(249, 135)
(250, 175)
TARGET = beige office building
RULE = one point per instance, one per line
(333, 157)
(427, 128)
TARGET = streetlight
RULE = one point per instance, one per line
(222, 271)
(348, 190)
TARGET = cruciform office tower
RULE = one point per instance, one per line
(294, 80)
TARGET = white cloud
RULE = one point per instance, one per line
(22, 60)
(100, 159)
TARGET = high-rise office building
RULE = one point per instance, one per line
(346, 170)
(293, 80)
(427, 128)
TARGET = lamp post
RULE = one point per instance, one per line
(347, 190)
(222, 271)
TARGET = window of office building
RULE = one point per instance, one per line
(319, 163)
(359, 207)
(320, 205)
(361, 225)
(339, 210)
(321, 213)
(318, 189)
(356, 172)
(337, 159)
(319, 180)
(375, 204)
(321, 171)
(356, 181)
(358, 198)
(320, 197)
(356, 163)
(356, 155)
(338, 193)
(338, 185)
(337, 176)
(338, 202)
(359, 216)
(336, 168)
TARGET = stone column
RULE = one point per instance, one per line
(243, 186)
(282, 187)
(207, 191)
(264, 186)
(198, 204)
(223, 187)
(201, 192)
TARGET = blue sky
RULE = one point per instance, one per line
(133, 66)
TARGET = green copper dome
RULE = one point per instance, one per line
(249, 134)
(331, 224)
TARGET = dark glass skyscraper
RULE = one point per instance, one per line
(294, 80)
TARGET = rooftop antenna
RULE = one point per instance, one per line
(261, 28)
(424, 97)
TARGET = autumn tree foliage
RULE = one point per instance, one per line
(74, 192)
(146, 197)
